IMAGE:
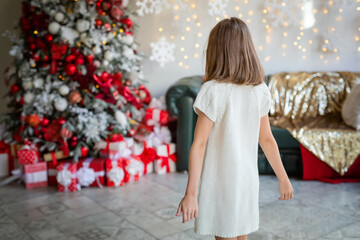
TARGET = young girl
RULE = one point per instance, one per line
(232, 107)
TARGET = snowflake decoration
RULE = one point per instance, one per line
(162, 51)
(282, 13)
(149, 6)
(217, 7)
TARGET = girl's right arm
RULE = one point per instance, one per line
(271, 150)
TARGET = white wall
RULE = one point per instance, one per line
(161, 78)
(343, 38)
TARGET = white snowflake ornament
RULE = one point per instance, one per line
(217, 7)
(162, 51)
(149, 7)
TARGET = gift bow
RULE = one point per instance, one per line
(116, 174)
(134, 166)
(87, 175)
(159, 136)
(165, 159)
(147, 156)
(65, 177)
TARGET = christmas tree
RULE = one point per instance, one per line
(76, 77)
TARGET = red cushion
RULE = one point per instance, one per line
(315, 169)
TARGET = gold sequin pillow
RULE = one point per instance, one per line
(350, 111)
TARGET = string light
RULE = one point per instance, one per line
(160, 29)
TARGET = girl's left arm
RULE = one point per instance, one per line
(188, 205)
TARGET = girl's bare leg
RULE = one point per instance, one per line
(242, 237)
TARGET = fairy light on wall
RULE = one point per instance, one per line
(288, 25)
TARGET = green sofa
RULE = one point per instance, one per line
(179, 100)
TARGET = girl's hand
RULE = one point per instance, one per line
(285, 188)
(189, 208)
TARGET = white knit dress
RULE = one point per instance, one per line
(229, 185)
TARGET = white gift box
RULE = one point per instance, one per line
(4, 164)
(166, 159)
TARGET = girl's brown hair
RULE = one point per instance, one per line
(231, 55)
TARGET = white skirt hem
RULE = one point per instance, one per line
(226, 235)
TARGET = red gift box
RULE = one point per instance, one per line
(52, 172)
(35, 175)
(146, 154)
(91, 172)
(166, 159)
(115, 174)
(134, 168)
(28, 154)
(154, 116)
(66, 177)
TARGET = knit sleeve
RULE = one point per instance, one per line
(211, 100)
(265, 100)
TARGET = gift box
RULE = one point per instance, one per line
(6, 160)
(66, 177)
(159, 136)
(116, 145)
(91, 172)
(154, 116)
(115, 174)
(14, 148)
(134, 168)
(166, 159)
(54, 156)
(28, 154)
(35, 175)
(52, 172)
(146, 154)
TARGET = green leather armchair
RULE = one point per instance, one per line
(179, 100)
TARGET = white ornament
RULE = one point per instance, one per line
(29, 97)
(129, 53)
(60, 104)
(69, 34)
(54, 27)
(108, 55)
(217, 7)
(162, 51)
(149, 7)
(27, 85)
(127, 39)
(82, 25)
(97, 63)
(39, 83)
(59, 16)
(121, 118)
(282, 13)
(64, 90)
(105, 63)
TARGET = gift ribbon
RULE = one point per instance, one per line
(165, 159)
(147, 156)
(86, 175)
(154, 116)
(116, 174)
(36, 177)
(54, 160)
(65, 177)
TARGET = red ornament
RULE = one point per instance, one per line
(107, 27)
(104, 76)
(48, 38)
(127, 22)
(45, 58)
(36, 57)
(21, 101)
(34, 120)
(73, 141)
(84, 151)
(118, 76)
(61, 121)
(69, 58)
(116, 12)
(45, 121)
(79, 61)
(98, 22)
(106, 5)
(32, 46)
(74, 97)
(70, 69)
(65, 133)
(14, 89)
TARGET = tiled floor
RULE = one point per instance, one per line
(146, 210)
